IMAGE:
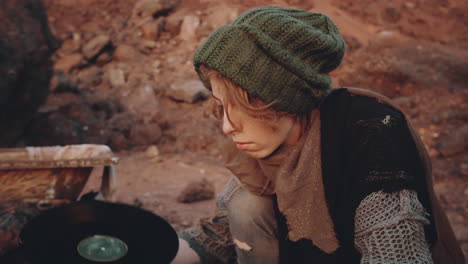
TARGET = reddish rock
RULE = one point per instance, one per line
(103, 58)
(66, 63)
(190, 91)
(140, 98)
(26, 45)
(145, 134)
(454, 142)
(146, 46)
(188, 28)
(148, 8)
(391, 14)
(61, 83)
(53, 129)
(122, 122)
(173, 23)
(197, 191)
(126, 53)
(70, 46)
(118, 142)
(152, 29)
(94, 46)
(116, 77)
(89, 77)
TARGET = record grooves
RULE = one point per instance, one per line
(93, 232)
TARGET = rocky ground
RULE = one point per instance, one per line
(123, 77)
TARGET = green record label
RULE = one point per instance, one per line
(102, 248)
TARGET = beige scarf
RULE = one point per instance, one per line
(294, 173)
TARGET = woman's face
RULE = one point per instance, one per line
(258, 138)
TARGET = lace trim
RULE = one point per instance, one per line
(232, 189)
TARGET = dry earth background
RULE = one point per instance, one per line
(123, 77)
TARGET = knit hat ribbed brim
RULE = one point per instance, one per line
(276, 54)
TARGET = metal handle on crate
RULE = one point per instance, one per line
(109, 183)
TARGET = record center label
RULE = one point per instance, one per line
(102, 248)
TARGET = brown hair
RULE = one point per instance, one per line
(238, 97)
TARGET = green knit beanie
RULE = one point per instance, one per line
(276, 54)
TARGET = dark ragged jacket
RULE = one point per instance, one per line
(361, 155)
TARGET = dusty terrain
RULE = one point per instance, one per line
(121, 60)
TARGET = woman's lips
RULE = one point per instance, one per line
(242, 145)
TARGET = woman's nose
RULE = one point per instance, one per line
(227, 126)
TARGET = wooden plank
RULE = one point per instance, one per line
(71, 156)
(44, 164)
(57, 183)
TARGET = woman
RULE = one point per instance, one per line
(319, 175)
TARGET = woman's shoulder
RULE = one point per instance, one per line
(361, 104)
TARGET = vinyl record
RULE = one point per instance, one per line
(93, 232)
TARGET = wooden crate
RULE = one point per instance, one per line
(50, 172)
(33, 179)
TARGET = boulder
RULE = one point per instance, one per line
(122, 123)
(453, 142)
(189, 91)
(173, 23)
(26, 45)
(120, 126)
(93, 47)
(126, 53)
(116, 77)
(51, 129)
(197, 191)
(103, 59)
(68, 62)
(89, 77)
(145, 134)
(152, 29)
(153, 153)
(83, 120)
(151, 8)
(142, 100)
(118, 142)
(60, 83)
(82, 113)
(146, 46)
(188, 29)
(71, 46)
(391, 15)
(138, 95)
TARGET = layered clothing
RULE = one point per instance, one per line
(358, 144)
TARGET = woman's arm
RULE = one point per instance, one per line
(389, 228)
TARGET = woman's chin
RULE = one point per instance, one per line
(258, 154)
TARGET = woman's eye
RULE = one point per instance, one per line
(218, 111)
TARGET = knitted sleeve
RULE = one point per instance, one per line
(389, 229)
